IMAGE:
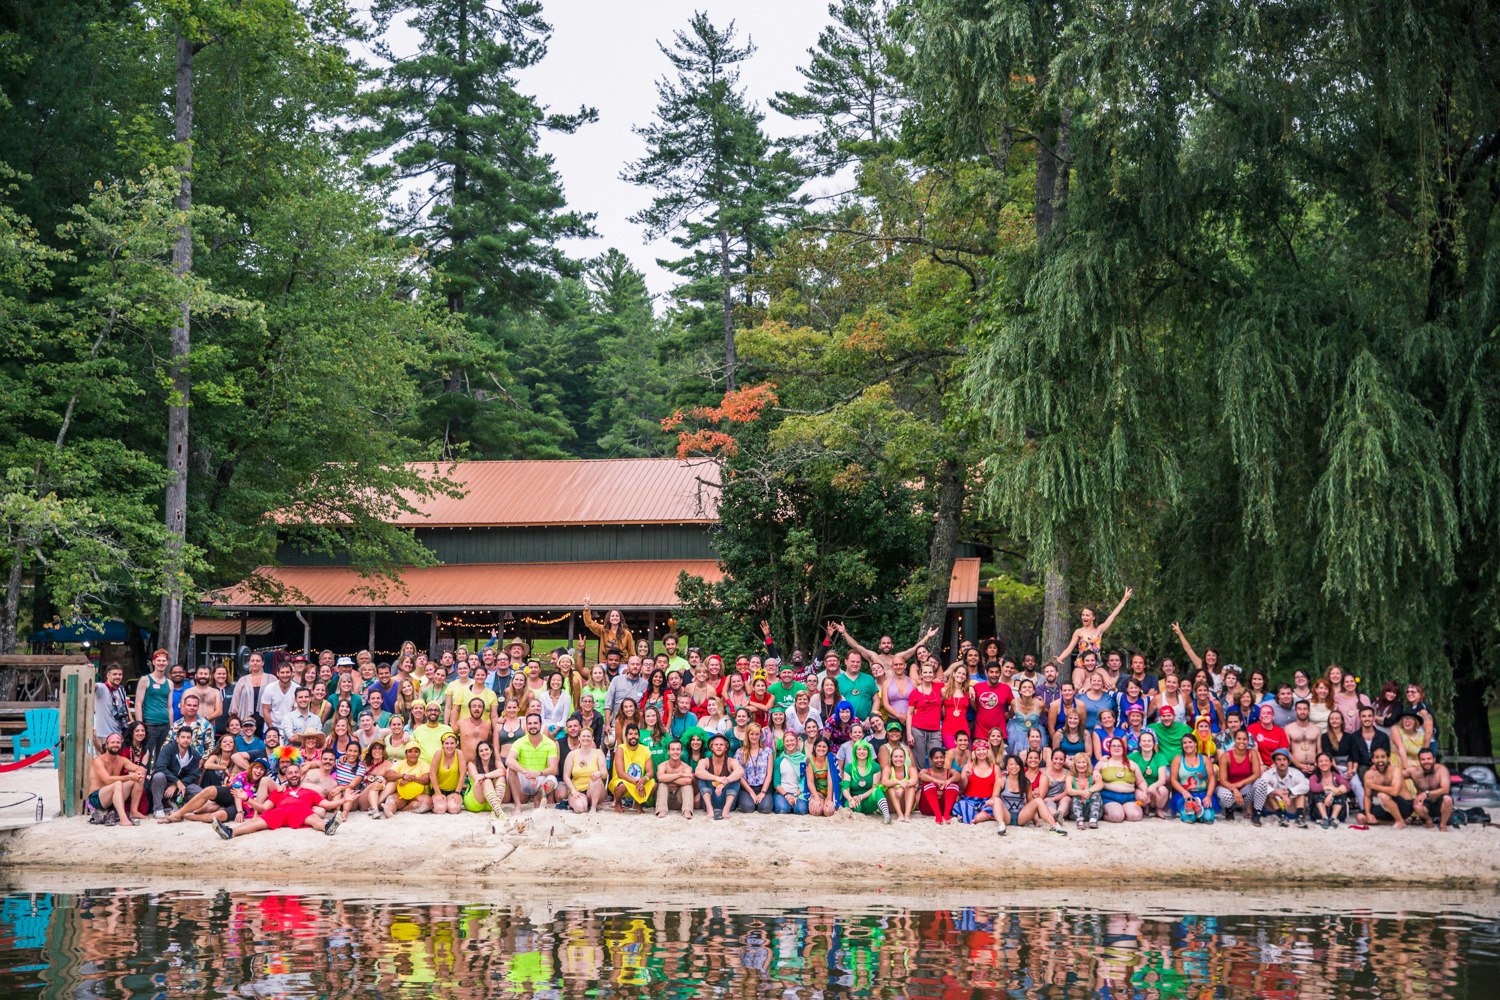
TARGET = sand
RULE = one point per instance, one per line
(854, 854)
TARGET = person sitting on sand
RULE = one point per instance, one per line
(215, 795)
(1283, 789)
(113, 782)
(899, 779)
(531, 767)
(291, 806)
(675, 778)
(861, 780)
(719, 777)
(1433, 800)
(634, 782)
(408, 784)
(1192, 783)
(446, 776)
(1388, 791)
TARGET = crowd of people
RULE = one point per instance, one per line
(1090, 735)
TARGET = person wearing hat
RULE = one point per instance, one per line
(1281, 790)
(430, 730)
(719, 776)
(409, 787)
(1169, 731)
(894, 736)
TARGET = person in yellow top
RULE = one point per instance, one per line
(446, 777)
(409, 789)
(458, 696)
(612, 632)
(428, 729)
(635, 778)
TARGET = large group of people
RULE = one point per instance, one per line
(1092, 734)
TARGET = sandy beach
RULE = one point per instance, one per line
(844, 854)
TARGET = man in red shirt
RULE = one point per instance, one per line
(1266, 735)
(291, 806)
(992, 698)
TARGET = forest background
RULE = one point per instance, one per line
(1200, 298)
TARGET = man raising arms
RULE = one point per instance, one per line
(886, 646)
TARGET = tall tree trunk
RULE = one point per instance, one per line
(177, 409)
(940, 555)
(1055, 616)
(1471, 722)
(726, 277)
(8, 625)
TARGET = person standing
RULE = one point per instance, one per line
(111, 706)
(153, 702)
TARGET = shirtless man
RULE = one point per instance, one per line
(885, 649)
(210, 703)
(474, 729)
(1302, 740)
(114, 782)
(1433, 785)
(674, 777)
(1386, 790)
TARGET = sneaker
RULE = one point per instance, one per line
(1281, 821)
(1207, 816)
(1323, 824)
(222, 830)
(159, 814)
(1093, 824)
(1301, 822)
(1001, 832)
(1059, 831)
(1188, 817)
(1255, 819)
(331, 825)
(562, 805)
(886, 818)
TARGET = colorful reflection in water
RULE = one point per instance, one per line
(110, 943)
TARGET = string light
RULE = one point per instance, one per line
(548, 621)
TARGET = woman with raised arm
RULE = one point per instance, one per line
(1087, 637)
(1208, 661)
(612, 632)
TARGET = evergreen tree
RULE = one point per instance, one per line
(631, 386)
(850, 89)
(490, 211)
(721, 187)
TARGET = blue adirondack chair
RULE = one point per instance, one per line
(42, 732)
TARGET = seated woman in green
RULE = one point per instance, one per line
(861, 784)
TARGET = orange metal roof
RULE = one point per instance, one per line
(963, 588)
(641, 583)
(572, 491)
(231, 626)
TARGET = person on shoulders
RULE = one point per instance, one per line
(1088, 636)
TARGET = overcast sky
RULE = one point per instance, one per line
(604, 54)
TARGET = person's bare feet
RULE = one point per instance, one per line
(619, 806)
(661, 813)
(170, 818)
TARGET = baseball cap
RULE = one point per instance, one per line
(1280, 752)
(1167, 711)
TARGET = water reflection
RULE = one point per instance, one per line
(109, 943)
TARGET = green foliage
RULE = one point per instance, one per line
(488, 220)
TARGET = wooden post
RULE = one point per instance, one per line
(76, 734)
(432, 635)
(371, 644)
(651, 630)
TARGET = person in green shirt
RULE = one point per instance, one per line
(429, 730)
(1156, 768)
(856, 687)
(784, 691)
(1169, 732)
(675, 663)
(531, 764)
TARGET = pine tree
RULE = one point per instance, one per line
(491, 209)
(721, 187)
(631, 386)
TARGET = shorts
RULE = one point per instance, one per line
(282, 817)
(1119, 798)
(94, 802)
(224, 799)
(1403, 806)
(527, 786)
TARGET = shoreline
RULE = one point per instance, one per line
(756, 853)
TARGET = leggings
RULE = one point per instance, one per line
(717, 800)
(936, 805)
(1088, 809)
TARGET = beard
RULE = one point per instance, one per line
(294, 781)
(112, 751)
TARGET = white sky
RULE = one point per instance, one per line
(604, 54)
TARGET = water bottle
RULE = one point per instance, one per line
(39, 805)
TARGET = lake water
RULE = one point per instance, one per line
(190, 943)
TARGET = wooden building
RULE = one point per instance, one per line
(518, 551)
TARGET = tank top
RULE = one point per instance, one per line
(899, 700)
(817, 777)
(1239, 770)
(509, 736)
(157, 708)
(1072, 746)
(1116, 774)
(1318, 715)
(1193, 777)
(1093, 706)
(583, 773)
(449, 775)
(981, 786)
